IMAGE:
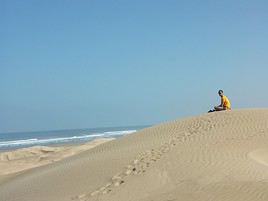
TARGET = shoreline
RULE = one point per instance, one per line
(212, 156)
(19, 140)
(18, 160)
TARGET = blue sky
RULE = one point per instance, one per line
(81, 64)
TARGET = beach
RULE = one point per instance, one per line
(19, 160)
(220, 156)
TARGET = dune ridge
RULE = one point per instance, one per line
(213, 157)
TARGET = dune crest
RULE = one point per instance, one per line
(213, 157)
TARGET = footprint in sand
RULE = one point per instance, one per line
(140, 164)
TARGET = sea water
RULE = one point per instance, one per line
(26, 139)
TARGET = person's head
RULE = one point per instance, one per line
(220, 92)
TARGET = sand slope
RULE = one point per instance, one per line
(23, 159)
(213, 157)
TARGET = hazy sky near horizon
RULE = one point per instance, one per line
(96, 63)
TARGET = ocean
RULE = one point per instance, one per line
(16, 140)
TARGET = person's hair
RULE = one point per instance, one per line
(220, 91)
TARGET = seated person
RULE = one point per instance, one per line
(225, 103)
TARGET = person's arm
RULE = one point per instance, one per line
(221, 105)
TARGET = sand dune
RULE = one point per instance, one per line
(23, 159)
(213, 157)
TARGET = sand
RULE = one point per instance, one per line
(219, 156)
(16, 161)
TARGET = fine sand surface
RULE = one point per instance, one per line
(219, 156)
(23, 159)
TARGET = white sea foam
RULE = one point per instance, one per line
(35, 141)
(113, 133)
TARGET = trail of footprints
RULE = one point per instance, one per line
(140, 164)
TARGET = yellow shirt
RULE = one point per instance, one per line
(225, 102)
